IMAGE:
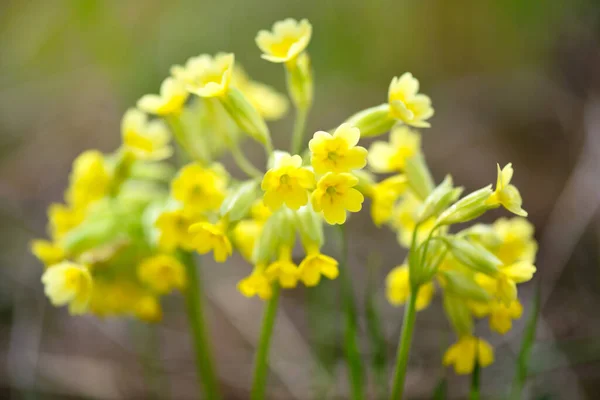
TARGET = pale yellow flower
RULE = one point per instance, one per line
(68, 283)
(384, 196)
(146, 140)
(391, 157)
(407, 104)
(398, 288)
(463, 354)
(338, 152)
(507, 195)
(283, 269)
(212, 237)
(335, 194)
(316, 264)
(174, 230)
(500, 314)
(504, 285)
(162, 273)
(256, 284)
(89, 180)
(516, 240)
(62, 219)
(245, 235)
(199, 188)
(287, 182)
(171, 99)
(286, 41)
(404, 220)
(269, 103)
(206, 76)
(47, 252)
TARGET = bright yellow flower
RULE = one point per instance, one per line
(507, 195)
(206, 76)
(504, 285)
(391, 157)
(89, 180)
(62, 219)
(501, 315)
(147, 308)
(385, 194)
(338, 152)
(245, 234)
(398, 288)
(269, 103)
(47, 252)
(284, 270)
(174, 230)
(286, 41)
(146, 140)
(199, 189)
(334, 195)
(316, 264)
(463, 353)
(162, 273)
(407, 104)
(256, 284)
(287, 182)
(68, 283)
(517, 242)
(260, 211)
(171, 99)
(212, 237)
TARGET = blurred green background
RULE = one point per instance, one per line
(511, 80)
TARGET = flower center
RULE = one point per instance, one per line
(285, 179)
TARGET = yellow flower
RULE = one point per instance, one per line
(316, 264)
(463, 354)
(391, 157)
(212, 237)
(245, 234)
(171, 99)
(501, 315)
(398, 288)
(162, 273)
(147, 308)
(174, 230)
(68, 283)
(256, 284)
(507, 195)
(89, 180)
(504, 285)
(286, 41)
(62, 219)
(260, 211)
(199, 189)
(146, 140)
(207, 76)
(407, 104)
(337, 152)
(287, 182)
(385, 194)
(269, 103)
(334, 195)
(404, 220)
(284, 270)
(517, 242)
(47, 252)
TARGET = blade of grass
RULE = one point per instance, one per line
(441, 390)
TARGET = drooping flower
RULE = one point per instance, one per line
(162, 273)
(212, 237)
(198, 188)
(287, 182)
(504, 285)
(338, 152)
(500, 314)
(462, 354)
(407, 104)
(398, 288)
(283, 269)
(391, 157)
(206, 76)
(316, 264)
(68, 283)
(385, 194)
(171, 99)
(335, 194)
(256, 284)
(516, 240)
(507, 195)
(286, 41)
(146, 140)
(174, 230)
(89, 180)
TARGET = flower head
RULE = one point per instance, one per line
(398, 288)
(516, 240)
(407, 104)
(89, 180)
(146, 140)
(171, 99)
(385, 194)
(286, 41)
(198, 188)
(287, 182)
(463, 354)
(68, 283)
(335, 193)
(337, 152)
(162, 273)
(504, 285)
(507, 195)
(256, 284)
(500, 314)
(391, 157)
(174, 230)
(206, 76)
(211, 237)
(316, 264)
(283, 269)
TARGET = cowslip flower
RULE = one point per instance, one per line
(256, 284)
(338, 152)
(516, 240)
(174, 230)
(391, 157)
(212, 237)
(171, 99)
(146, 140)
(287, 182)
(62, 219)
(500, 314)
(286, 41)
(206, 76)
(245, 235)
(335, 194)
(316, 264)
(162, 273)
(462, 354)
(384, 196)
(68, 283)
(504, 285)
(269, 103)
(47, 252)
(398, 288)
(283, 269)
(404, 220)
(407, 104)
(507, 195)
(198, 188)
(89, 180)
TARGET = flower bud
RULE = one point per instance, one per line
(310, 225)
(419, 177)
(459, 314)
(443, 195)
(373, 121)
(467, 208)
(237, 205)
(474, 256)
(460, 285)
(424, 268)
(277, 231)
(246, 116)
(300, 81)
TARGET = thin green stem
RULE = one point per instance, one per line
(299, 126)
(261, 360)
(194, 299)
(242, 162)
(197, 153)
(408, 326)
(475, 378)
(147, 341)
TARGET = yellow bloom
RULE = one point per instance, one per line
(68, 283)
(147, 308)
(316, 264)
(398, 288)
(504, 285)
(501, 315)
(269, 103)
(256, 284)
(287, 182)
(507, 195)
(171, 99)
(146, 140)
(286, 41)
(391, 157)
(62, 219)
(334, 195)
(89, 180)
(162, 273)
(407, 104)
(199, 189)
(463, 353)
(245, 234)
(337, 152)
(260, 211)
(517, 242)
(47, 252)
(404, 220)
(212, 237)
(385, 194)
(207, 76)
(284, 270)
(174, 230)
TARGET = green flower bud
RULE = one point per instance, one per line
(424, 268)
(278, 230)
(460, 285)
(467, 208)
(246, 116)
(237, 205)
(437, 201)
(419, 177)
(459, 314)
(300, 81)
(310, 225)
(474, 256)
(373, 121)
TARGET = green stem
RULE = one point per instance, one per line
(475, 378)
(146, 339)
(242, 162)
(299, 125)
(404, 346)
(194, 299)
(174, 122)
(261, 360)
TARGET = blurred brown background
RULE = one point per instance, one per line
(511, 80)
